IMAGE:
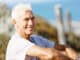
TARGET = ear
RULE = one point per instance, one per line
(14, 21)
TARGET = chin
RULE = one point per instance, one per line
(29, 33)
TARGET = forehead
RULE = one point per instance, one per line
(25, 14)
(28, 13)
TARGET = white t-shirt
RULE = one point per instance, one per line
(17, 48)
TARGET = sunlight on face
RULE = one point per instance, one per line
(25, 22)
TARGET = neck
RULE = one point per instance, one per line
(23, 35)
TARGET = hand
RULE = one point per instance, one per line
(71, 53)
(56, 56)
(60, 56)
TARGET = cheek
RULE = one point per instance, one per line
(20, 25)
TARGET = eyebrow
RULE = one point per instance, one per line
(29, 18)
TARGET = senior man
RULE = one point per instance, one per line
(23, 45)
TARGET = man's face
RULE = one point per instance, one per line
(25, 23)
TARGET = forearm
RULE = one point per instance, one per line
(46, 53)
(40, 52)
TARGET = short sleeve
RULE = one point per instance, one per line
(17, 49)
(23, 48)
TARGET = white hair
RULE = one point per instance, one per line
(19, 9)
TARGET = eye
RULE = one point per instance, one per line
(26, 19)
(32, 18)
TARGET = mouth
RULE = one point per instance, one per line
(29, 28)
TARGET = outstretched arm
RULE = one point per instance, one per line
(45, 53)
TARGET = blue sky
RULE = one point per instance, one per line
(45, 8)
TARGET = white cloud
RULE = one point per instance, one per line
(76, 23)
(76, 27)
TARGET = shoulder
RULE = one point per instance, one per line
(12, 42)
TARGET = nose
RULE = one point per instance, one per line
(30, 22)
